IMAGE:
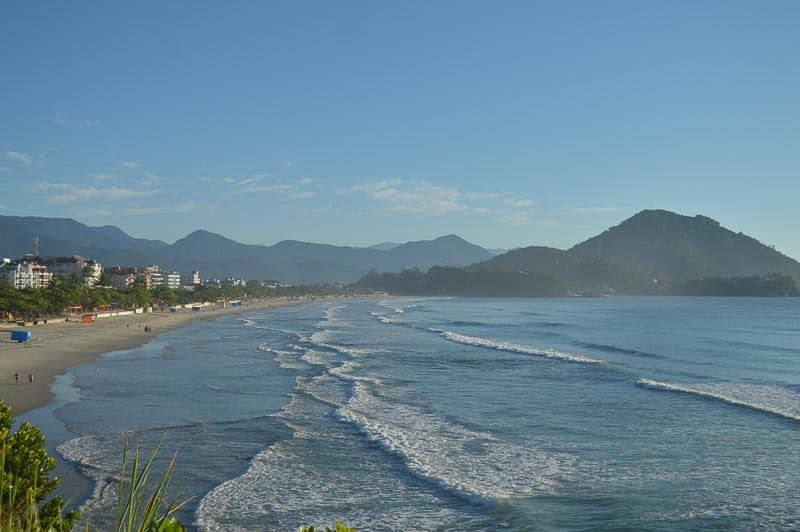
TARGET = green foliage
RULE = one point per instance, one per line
(462, 282)
(136, 510)
(340, 527)
(71, 291)
(25, 482)
(773, 285)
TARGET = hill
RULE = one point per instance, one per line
(653, 252)
(685, 247)
(217, 256)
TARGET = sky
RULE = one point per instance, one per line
(507, 123)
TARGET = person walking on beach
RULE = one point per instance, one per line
(16, 377)
(30, 378)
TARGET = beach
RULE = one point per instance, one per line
(57, 346)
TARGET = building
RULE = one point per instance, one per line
(172, 280)
(25, 273)
(120, 277)
(191, 279)
(155, 275)
(89, 270)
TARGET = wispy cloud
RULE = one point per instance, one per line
(128, 165)
(19, 157)
(68, 193)
(188, 206)
(301, 195)
(288, 164)
(6, 170)
(63, 119)
(518, 202)
(581, 209)
(414, 197)
(272, 187)
(103, 176)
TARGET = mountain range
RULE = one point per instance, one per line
(217, 256)
(642, 253)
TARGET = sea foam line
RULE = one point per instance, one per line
(475, 465)
(764, 397)
(513, 348)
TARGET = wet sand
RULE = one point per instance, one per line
(55, 347)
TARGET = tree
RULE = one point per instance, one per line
(25, 480)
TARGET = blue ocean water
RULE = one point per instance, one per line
(455, 414)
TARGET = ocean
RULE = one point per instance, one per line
(457, 414)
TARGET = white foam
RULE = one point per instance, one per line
(765, 397)
(474, 464)
(383, 318)
(285, 486)
(514, 348)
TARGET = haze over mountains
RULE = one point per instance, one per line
(217, 256)
(651, 247)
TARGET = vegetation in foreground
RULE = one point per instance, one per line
(25, 480)
(25, 467)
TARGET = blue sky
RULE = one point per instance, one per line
(508, 123)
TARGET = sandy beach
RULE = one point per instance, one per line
(55, 347)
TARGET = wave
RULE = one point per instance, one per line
(514, 348)
(617, 349)
(383, 318)
(768, 398)
(472, 464)
(287, 480)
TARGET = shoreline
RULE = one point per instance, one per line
(56, 347)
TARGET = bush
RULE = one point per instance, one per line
(24, 480)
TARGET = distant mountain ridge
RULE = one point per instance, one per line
(217, 256)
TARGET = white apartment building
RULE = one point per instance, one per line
(25, 274)
(89, 270)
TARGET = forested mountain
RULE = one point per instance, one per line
(653, 252)
(217, 256)
(685, 247)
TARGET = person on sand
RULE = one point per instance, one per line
(16, 377)
(30, 378)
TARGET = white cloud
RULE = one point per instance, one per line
(63, 119)
(103, 177)
(580, 209)
(72, 193)
(128, 165)
(518, 202)
(511, 219)
(242, 182)
(307, 181)
(301, 195)
(414, 197)
(20, 157)
(274, 187)
(188, 206)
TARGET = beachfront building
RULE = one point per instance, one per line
(89, 270)
(25, 274)
(172, 280)
(189, 280)
(155, 275)
(120, 277)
